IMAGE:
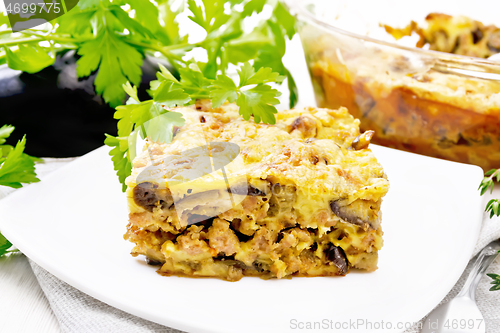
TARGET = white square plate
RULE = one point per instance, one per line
(72, 224)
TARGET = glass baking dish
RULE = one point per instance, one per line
(427, 102)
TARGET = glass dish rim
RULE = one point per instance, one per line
(297, 8)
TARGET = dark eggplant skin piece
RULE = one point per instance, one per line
(345, 214)
(336, 255)
(145, 196)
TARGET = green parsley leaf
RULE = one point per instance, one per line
(193, 80)
(4, 19)
(269, 57)
(211, 17)
(197, 14)
(488, 181)
(86, 4)
(165, 75)
(147, 117)
(122, 164)
(233, 29)
(171, 27)
(245, 72)
(117, 61)
(285, 19)
(29, 58)
(292, 88)
(254, 101)
(223, 89)
(252, 94)
(17, 167)
(493, 206)
(246, 48)
(5, 245)
(279, 38)
(114, 37)
(146, 13)
(169, 32)
(5, 150)
(495, 282)
(131, 91)
(257, 101)
(160, 128)
(170, 94)
(123, 21)
(264, 75)
(71, 22)
(225, 43)
(5, 132)
(253, 6)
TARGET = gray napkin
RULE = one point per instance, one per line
(78, 312)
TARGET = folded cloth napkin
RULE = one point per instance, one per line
(78, 312)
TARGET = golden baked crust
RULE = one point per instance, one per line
(299, 198)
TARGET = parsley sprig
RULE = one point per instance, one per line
(493, 207)
(113, 37)
(488, 182)
(148, 118)
(16, 168)
(495, 282)
(256, 53)
(5, 246)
